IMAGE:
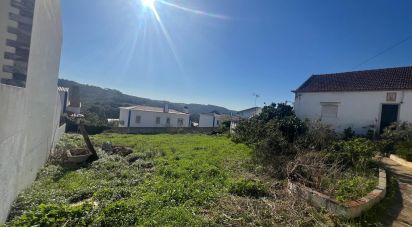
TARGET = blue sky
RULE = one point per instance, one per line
(229, 50)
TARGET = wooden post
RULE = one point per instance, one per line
(89, 144)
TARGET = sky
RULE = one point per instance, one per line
(221, 52)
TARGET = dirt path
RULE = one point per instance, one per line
(401, 214)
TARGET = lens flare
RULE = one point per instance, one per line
(149, 3)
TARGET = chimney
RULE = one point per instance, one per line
(166, 108)
(185, 109)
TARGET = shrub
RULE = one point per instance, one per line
(396, 132)
(54, 215)
(317, 137)
(404, 150)
(356, 152)
(247, 187)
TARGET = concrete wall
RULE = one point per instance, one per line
(148, 119)
(27, 122)
(358, 110)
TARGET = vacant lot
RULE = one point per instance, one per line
(176, 180)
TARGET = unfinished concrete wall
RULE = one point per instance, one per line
(27, 122)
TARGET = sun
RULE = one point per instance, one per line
(148, 3)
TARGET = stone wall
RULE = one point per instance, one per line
(28, 109)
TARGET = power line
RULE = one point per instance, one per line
(384, 51)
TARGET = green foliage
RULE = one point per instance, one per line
(354, 188)
(272, 132)
(396, 132)
(404, 150)
(54, 215)
(172, 179)
(317, 137)
(356, 153)
(247, 187)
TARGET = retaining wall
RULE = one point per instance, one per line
(350, 209)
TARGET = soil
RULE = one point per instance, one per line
(79, 152)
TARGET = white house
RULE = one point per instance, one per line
(30, 45)
(362, 100)
(64, 98)
(212, 120)
(147, 116)
(248, 113)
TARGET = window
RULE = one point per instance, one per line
(168, 121)
(13, 70)
(121, 122)
(180, 122)
(329, 111)
(217, 122)
(138, 119)
(158, 120)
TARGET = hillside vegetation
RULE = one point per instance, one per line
(98, 103)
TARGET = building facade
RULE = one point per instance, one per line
(147, 116)
(362, 100)
(30, 46)
(212, 120)
(248, 113)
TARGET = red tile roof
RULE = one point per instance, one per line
(368, 80)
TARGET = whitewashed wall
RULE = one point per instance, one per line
(27, 114)
(148, 119)
(356, 109)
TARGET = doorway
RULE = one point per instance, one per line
(389, 115)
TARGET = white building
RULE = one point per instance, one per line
(362, 100)
(212, 120)
(30, 46)
(147, 116)
(248, 113)
(64, 98)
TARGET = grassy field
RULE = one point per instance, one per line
(169, 180)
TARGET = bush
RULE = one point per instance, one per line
(397, 132)
(317, 137)
(248, 187)
(404, 150)
(355, 153)
(54, 215)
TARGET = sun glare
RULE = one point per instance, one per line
(148, 3)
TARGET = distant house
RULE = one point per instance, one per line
(64, 98)
(148, 116)
(210, 120)
(248, 113)
(74, 97)
(362, 100)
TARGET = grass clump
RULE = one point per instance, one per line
(248, 187)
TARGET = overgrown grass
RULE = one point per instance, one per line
(169, 180)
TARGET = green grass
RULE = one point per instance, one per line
(169, 180)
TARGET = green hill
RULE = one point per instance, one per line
(98, 103)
